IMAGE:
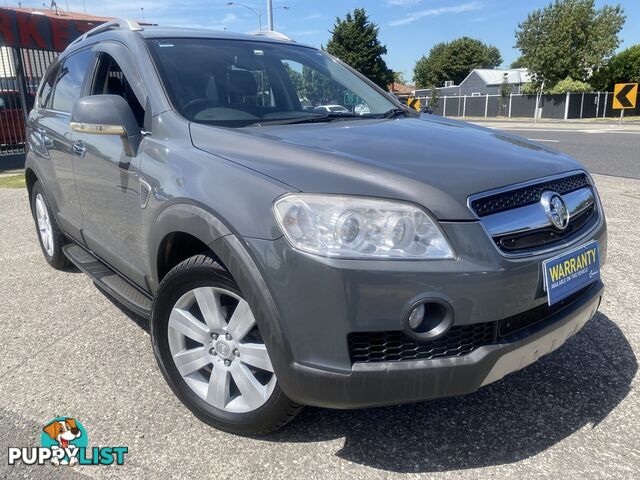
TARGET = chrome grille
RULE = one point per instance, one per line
(526, 195)
(518, 222)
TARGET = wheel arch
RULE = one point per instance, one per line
(30, 178)
(181, 230)
(191, 223)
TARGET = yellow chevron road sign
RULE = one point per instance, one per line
(414, 103)
(625, 95)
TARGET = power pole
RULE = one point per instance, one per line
(270, 15)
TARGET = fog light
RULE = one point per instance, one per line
(429, 319)
(416, 316)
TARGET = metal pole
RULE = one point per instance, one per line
(538, 98)
(464, 107)
(566, 106)
(621, 115)
(21, 80)
(510, 99)
(606, 99)
(486, 105)
(270, 15)
(581, 104)
(444, 109)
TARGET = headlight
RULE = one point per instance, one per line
(358, 227)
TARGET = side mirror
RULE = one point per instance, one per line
(107, 115)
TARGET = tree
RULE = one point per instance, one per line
(505, 92)
(518, 63)
(318, 89)
(529, 88)
(454, 61)
(568, 38)
(434, 97)
(398, 77)
(355, 41)
(622, 68)
(569, 85)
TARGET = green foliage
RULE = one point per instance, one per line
(568, 38)
(505, 92)
(454, 61)
(434, 97)
(319, 89)
(296, 77)
(506, 89)
(622, 68)
(518, 63)
(398, 77)
(355, 41)
(530, 88)
(14, 181)
(569, 85)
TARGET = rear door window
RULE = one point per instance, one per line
(70, 78)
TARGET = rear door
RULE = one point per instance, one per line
(52, 137)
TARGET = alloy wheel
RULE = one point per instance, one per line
(44, 224)
(217, 348)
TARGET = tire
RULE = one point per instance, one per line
(50, 236)
(226, 382)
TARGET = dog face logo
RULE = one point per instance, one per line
(64, 441)
(63, 431)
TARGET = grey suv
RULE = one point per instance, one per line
(290, 257)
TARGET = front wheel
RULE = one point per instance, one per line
(210, 350)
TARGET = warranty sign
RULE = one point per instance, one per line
(571, 271)
(625, 96)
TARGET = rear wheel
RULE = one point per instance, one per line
(211, 352)
(50, 236)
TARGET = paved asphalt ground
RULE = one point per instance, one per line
(609, 151)
(66, 349)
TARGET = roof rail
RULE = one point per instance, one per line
(119, 24)
(273, 34)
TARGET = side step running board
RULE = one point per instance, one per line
(105, 278)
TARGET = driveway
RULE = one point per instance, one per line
(66, 349)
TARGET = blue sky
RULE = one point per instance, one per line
(409, 28)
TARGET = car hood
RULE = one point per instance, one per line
(432, 161)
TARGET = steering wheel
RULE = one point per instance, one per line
(192, 107)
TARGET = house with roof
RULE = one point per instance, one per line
(483, 81)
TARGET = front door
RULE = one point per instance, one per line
(108, 183)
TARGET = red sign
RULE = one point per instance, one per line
(41, 32)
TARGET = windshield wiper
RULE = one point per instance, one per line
(328, 117)
(394, 112)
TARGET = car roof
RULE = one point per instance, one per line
(120, 29)
(178, 32)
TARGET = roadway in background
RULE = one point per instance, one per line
(604, 149)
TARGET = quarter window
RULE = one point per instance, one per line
(70, 79)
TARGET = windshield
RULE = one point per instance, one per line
(236, 83)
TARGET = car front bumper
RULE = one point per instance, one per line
(320, 301)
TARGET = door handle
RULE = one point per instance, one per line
(78, 147)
